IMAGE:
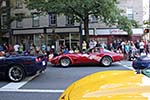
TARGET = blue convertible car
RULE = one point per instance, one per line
(17, 67)
(141, 63)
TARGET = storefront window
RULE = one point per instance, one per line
(39, 39)
(69, 40)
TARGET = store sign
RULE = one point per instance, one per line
(110, 32)
(113, 32)
(103, 31)
(117, 32)
(137, 31)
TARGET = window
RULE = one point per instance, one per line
(3, 4)
(52, 19)
(130, 13)
(70, 20)
(19, 21)
(35, 20)
(93, 19)
(4, 21)
(19, 4)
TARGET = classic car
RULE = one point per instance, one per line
(141, 63)
(110, 85)
(92, 56)
(17, 67)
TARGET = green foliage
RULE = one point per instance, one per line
(147, 23)
(106, 10)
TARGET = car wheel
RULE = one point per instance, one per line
(15, 73)
(106, 61)
(65, 62)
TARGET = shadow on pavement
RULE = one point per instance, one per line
(84, 65)
(2, 78)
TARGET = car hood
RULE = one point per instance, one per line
(110, 85)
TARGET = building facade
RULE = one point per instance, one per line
(56, 29)
(49, 29)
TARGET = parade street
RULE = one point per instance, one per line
(50, 84)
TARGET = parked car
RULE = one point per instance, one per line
(110, 85)
(141, 63)
(17, 67)
(92, 56)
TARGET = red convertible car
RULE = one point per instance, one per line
(92, 56)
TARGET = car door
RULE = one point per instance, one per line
(88, 58)
(95, 56)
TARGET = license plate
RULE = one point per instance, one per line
(43, 63)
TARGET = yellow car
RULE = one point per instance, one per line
(110, 85)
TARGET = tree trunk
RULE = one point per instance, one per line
(86, 28)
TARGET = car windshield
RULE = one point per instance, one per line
(97, 50)
(94, 50)
(105, 50)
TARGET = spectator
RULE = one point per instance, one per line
(48, 48)
(92, 44)
(141, 46)
(71, 50)
(76, 50)
(66, 51)
(20, 49)
(84, 46)
(16, 48)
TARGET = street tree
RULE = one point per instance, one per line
(147, 23)
(105, 10)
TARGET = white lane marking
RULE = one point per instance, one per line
(125, 66)
(31, 90)
(17, 85)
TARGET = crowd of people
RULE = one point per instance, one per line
(130, 49)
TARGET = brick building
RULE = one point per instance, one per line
(56, 29)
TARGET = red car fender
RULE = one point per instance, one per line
(108, 56)
(65, 57)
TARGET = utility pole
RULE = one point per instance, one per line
(149, 14)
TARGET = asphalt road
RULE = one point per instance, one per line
(50, 84)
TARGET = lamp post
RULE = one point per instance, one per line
(149, 13)
(80, 32)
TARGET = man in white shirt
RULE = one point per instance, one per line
(16, 48)
(141, 46)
